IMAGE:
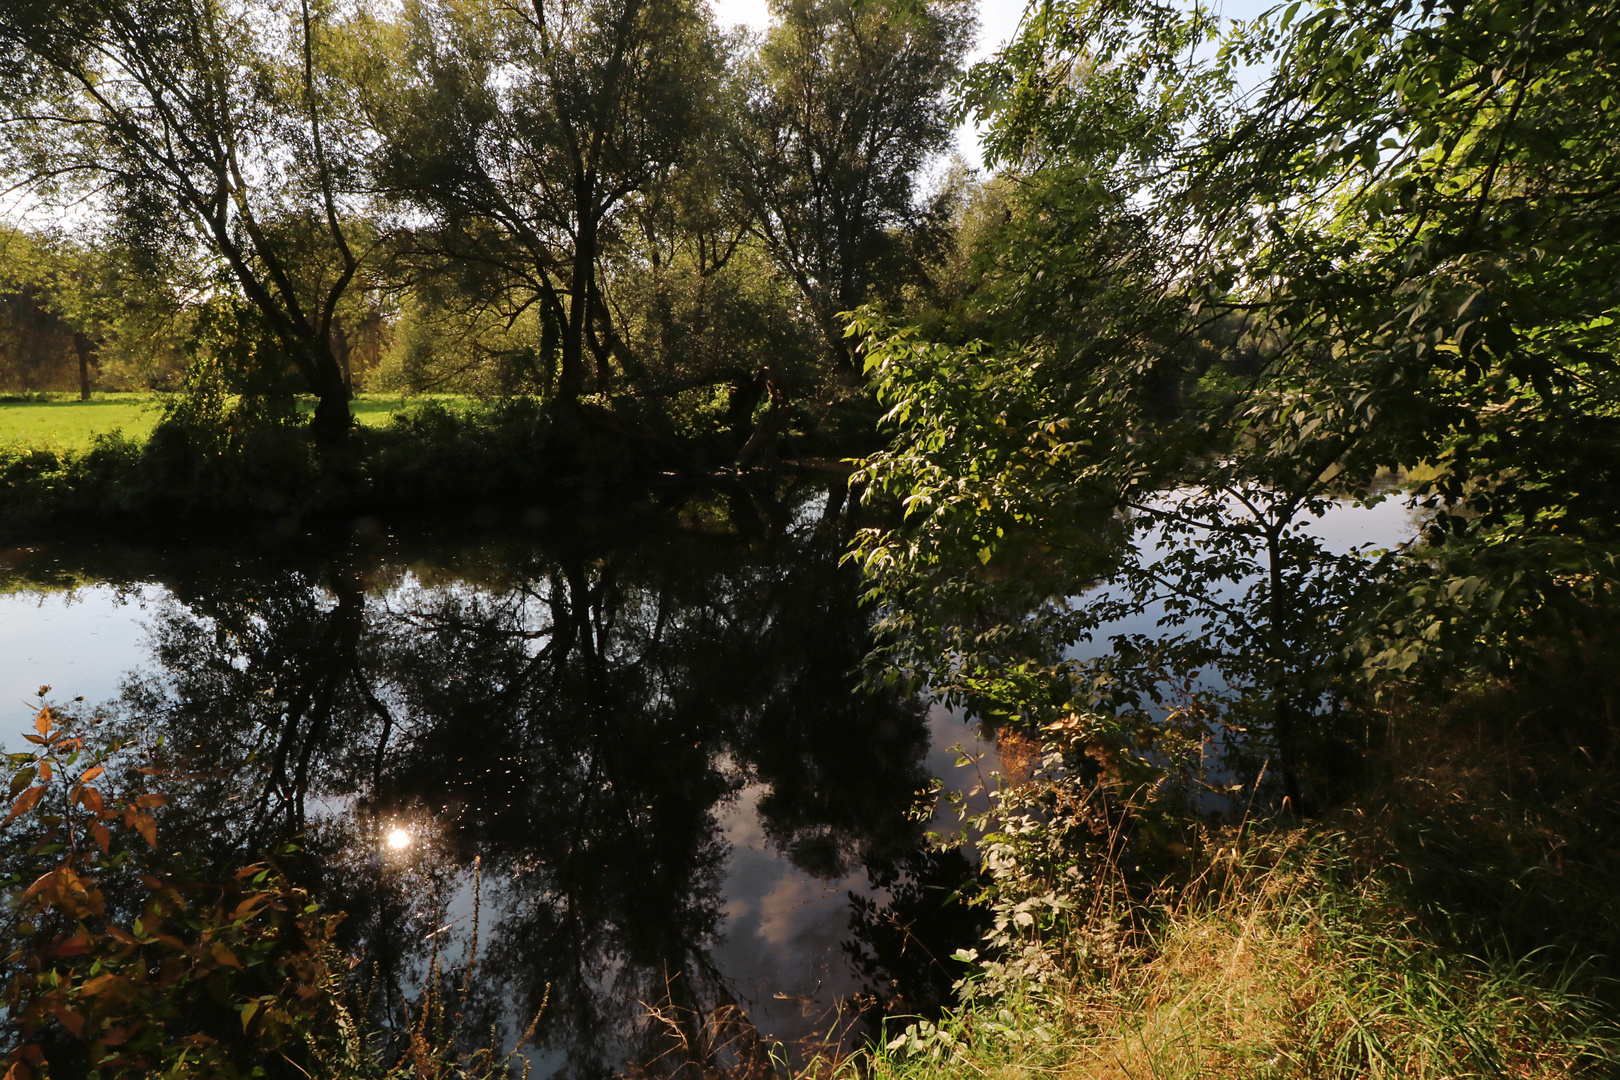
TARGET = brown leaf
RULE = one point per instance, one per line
(91, 798)
(91, 773)
(42, 722)
(146, 825)
(103, 837)
(246, 907)
(94, 986)
(151, 799)
(26, 802)
(224, 956)
(77, 945)
(68, 1019)
(44, 883)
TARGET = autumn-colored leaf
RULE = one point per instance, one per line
(44, 770)
(151, 799)
(42, 722)
(246, 907)
(91, 773)
(94, 986)
(123, 937)
(115, 1036)
(26, 802)
(224, 956)
(74, 1022)
(77, 945)
(91, 798)
(146, 825)
(19, 1071)
(42, 883)
(103, 837)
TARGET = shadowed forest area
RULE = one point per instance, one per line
(1236, 452)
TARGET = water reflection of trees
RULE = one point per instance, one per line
(577, 713)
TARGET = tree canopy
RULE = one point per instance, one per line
(1210, 312)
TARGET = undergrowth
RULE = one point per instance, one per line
(1290, 960)
(200, 464)
(1456, 918)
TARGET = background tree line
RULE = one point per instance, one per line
(611, 205)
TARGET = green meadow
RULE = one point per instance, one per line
(63, 422)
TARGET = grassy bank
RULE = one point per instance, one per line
(1457, 917)
(1299, 962)
(228, 470)
(63, 422)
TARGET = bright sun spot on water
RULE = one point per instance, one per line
(399, 838)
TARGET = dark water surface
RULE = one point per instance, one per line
(691, 826)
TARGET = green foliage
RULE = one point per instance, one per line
(1210, 315)
(87, 316)
(232, 153)
(525, 135)
(845, 105)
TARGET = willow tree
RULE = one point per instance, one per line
(518, 133)
(206, 127)
(847, 102)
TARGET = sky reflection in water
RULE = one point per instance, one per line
(647, 732)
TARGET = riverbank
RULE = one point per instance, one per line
(62, 422)
(1307, 967)
(512, 460)
(1456, 918)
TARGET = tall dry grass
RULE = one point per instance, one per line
(1292, 961)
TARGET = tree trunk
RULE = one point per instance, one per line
(1283, 719)
(324, 376)
(341, 346)
(331, 422)
(81, 343)
(759, 445)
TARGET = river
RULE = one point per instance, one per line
(645, 728)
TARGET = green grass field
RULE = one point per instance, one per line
(70, 424)
(66, 423)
